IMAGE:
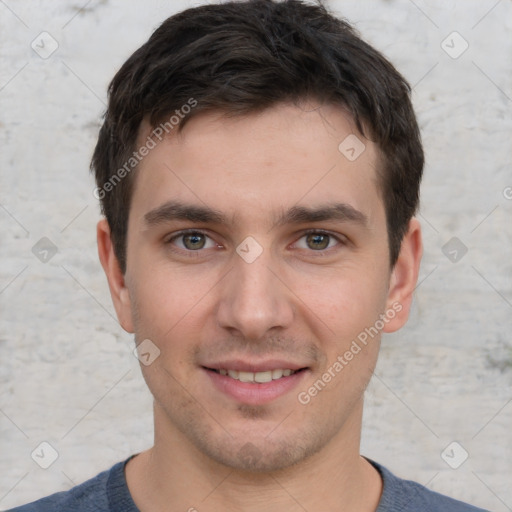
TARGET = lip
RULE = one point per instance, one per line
(262, 366)
(252, 393)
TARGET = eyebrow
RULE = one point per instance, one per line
(333, 211)
(176, 210)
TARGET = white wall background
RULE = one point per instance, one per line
(67, 374)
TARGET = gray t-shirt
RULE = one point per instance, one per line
(108, 492)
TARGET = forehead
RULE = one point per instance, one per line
(260, 163)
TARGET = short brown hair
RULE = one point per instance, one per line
(241, 57)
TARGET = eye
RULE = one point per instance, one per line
(191, 241)
(317, 241)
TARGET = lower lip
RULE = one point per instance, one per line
(254, 393)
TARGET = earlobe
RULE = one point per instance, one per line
(404, 277)
(116, 280)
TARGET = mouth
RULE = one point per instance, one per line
(260, 386)
(256, 377)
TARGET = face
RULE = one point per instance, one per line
(257, 255)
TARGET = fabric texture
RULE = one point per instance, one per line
(108, 492)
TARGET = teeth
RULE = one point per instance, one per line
(246, 376)
(263, 377)
(260, 377)
(277, 374)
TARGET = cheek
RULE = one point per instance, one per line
(345, 302)
(165, 299)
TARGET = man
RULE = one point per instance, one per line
(259, 169)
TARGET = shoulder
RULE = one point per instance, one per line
(400, 495)
(90, 496)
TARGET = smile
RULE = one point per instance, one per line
(255, 387)
(256, 377)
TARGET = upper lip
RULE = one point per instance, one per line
(261, 366)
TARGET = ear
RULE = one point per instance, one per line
(404, 277)
(116, 281)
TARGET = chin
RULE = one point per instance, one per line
(261, 455)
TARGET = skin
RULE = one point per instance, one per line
(296, 302)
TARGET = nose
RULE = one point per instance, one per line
(255, 299)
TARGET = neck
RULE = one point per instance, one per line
(174, 475)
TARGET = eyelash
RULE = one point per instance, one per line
(322, 252)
